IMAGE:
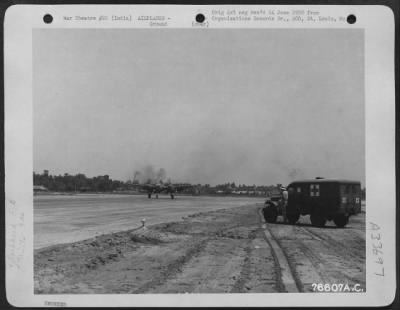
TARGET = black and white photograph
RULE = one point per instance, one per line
(204, 159)
(159, 155)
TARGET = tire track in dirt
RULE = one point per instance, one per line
(351, 258)
(183, 274)
(222, 264)
(235, 259)
(298, 246)
(174, 268)
(245, 271)
(349, 252)
(256, 275)
(317, 262)
(252, 275)
(328, 255)
(287, 280)
(339, 246)
(209, 271)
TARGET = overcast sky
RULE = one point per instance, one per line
(255, 106)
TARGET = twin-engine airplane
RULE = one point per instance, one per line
(168, 188)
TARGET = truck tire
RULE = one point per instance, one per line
(270, 214)
(149, 195)
(293, 218)
(172, 196)
(317, 219)
(341, 220)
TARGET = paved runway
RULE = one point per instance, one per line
(62, 219)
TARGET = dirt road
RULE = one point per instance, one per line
(224, 251)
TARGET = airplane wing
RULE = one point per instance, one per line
(153, 187)
(147, 187)
(181, 186)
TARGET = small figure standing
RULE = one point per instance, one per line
(285, 197)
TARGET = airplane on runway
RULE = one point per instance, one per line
(168, 188)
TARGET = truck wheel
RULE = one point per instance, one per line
(341, 220)
(270, 214)
(172, 196)
(149, 195)
(317, 219)
(293, 218)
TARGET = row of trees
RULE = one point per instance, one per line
(75, 183)
(103, 183)
(82, 183)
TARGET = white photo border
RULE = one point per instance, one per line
(378, 24)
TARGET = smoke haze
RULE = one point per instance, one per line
(149, 175)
